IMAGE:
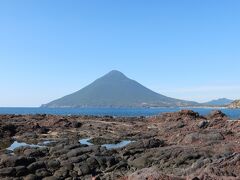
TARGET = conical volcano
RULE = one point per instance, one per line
(116, 90)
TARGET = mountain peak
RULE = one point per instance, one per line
(115, 74)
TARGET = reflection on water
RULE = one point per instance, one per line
(85, 141)
(108, 146)
(17, 144)
(118, 145)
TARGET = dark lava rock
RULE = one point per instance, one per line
(203, 124)
(42, 173)
(152, 174)
(68, 166)
(51, 178)
(76, 124)
(7, 130)
(204, 137)
(35, 152)
(82, 150)
(62, 123)
(180, 124)
(21, 171)
(31, 177)
(61, 149)
(82, 169)
(5, 143)
(92, 162)
(101, 141)
(189, 113)
(62, 173)
(183, 115)
(43, 130)
(12, 161)
(10, 171)
(36, 165)
(193, 146)
(74, 159)
(53, 164)
(106, 161)
(146, 144)
(30, 135)
(217, 115)
(140, 162)
(39, 129)
(195, 178)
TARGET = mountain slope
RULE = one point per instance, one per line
(116, 90)
(219, 102)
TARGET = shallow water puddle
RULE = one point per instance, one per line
(108, 146)
(17, 144)
(85, 141)
(118, 145)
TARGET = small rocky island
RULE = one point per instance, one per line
(173, 146)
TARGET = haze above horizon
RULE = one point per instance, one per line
(182, 49)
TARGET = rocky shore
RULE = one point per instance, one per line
(173, 146)
(234, 105)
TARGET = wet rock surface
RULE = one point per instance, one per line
(180, 145)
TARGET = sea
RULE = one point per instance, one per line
(126, 112)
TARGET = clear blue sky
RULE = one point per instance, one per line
(181, 48)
